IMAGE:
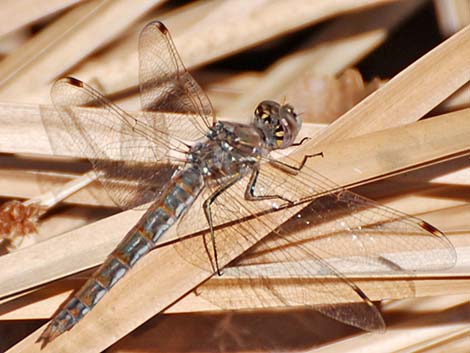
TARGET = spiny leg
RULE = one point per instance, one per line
(300, 142)
(251, 187)
(208, 213)
(292, 169)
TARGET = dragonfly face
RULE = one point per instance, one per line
(279, 124)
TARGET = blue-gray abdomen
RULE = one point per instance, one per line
(177, 197)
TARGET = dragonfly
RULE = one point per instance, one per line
(175, 155)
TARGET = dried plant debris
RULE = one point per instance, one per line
(17, 222)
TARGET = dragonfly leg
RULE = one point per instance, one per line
(208, 213)
(251, 187)
(300, 142)
(293, 169)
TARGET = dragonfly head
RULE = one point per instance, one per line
(278, 123)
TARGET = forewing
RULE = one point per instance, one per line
(166, 86)
(339, 223)
(129, 156)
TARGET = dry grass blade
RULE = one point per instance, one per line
(452, 15)
(451, 220)
(357, 149)
(410, 146)
(18, 13)
(366, 153)
(228, 28)
(446, 318)
(459, 100)
(456, 342)
(66, 42)
(42, 303)
(339, 45)
(411, 94)
(454, 219)
(218, 330)
(179, 277)
(15, 119)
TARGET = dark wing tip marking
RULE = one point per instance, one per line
(161, 27)
(446, 243)
(430, 228)
(74, 82)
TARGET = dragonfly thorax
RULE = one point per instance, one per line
(279, 124)
(228, 149)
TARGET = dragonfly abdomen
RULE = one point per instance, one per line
(177, 197)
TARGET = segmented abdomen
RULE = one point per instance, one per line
(177, 197)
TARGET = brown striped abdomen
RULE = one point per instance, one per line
(177, 197)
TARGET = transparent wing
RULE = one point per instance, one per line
(315, 256)
(227, 210)
(343, 223)
(130, 156)
(166, 86)
(282, 282)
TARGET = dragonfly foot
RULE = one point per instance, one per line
(301, 142)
